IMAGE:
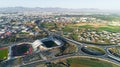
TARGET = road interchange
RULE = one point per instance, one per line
(107, 56)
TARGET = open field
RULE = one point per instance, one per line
(95, 25)
(89, 62)
(82, 61)
(92, 26)
(3, 53)
(99, 27)
(86, 25)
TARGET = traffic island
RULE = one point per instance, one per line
(92, 50)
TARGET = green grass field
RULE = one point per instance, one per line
(89, 62)
(47, 25)
(110, 28)
(68, 29)
(86, 26)
(82, 62)
(3, 54)
(103, 28)
(96, 49)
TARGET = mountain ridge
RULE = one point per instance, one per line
(54, 9)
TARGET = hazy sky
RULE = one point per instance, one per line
(101, 4)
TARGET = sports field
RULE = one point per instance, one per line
(3, 53)
(22, 49)
(49, 44)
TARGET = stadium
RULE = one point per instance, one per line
(23, 49)
(46, 44)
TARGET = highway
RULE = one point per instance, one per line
(107, 56)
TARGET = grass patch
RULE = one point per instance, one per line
(23, 33)
(110, 28)
(93, 50)
(46, 25)
(87, 26)
(68, 29)
(96, 49)
(3, 53)
(89, 62)
(99, 27)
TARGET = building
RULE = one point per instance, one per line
(46, 44)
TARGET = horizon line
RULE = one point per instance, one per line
(56, 7)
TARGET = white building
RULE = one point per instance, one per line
(38, 45)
